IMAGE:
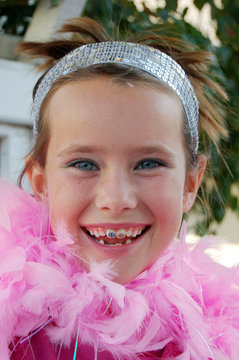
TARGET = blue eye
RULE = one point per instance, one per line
(86, 165)
(149, 164)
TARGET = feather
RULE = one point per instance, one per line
(185, 306)
(13, 260)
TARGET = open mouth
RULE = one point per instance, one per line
(113, 237)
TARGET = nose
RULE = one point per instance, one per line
(116, 192)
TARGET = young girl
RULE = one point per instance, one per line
(89, 266)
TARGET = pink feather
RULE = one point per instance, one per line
(185, 306)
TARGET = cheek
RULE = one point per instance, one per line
(66, 201)
(164, 198)
(163, 192)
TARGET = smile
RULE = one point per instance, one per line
(115, 237)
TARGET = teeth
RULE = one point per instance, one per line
(101, 232)
(129, 232)
(97, 233)
(128, 242)
(139, 232)
(103, 243)
(110, 234)
(121, 234)
(134, 232)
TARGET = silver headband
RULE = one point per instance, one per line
(143, 57)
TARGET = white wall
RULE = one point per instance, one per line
(16, 84)
(15, 142)
(17, 80)
(48, 19)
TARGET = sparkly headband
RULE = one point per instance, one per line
(143, 57)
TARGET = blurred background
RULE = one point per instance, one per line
(213, 25)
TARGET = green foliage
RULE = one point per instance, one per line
(227, 54)
(117, 17)
(121, 17)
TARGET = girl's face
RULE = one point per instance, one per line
(115, 171)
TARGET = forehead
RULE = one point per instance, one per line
(100, 108)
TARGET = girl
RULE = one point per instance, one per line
(89, 268)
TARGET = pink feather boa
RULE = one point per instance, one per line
(184, 304)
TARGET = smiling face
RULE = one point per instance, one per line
(116, 171)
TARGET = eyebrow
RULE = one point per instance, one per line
(145, 149)
(75, 149)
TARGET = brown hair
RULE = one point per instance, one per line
(85, 31)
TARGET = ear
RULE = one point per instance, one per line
(36, 177)
(193, 181)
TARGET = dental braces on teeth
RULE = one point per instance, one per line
(131, 233)
(120, 234)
